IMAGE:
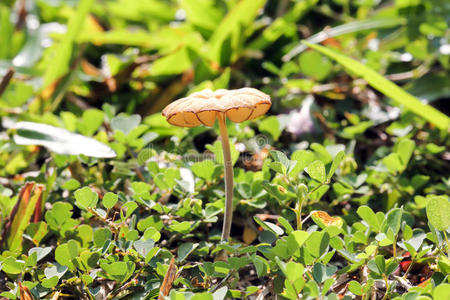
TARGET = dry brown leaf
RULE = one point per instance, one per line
(249, 235)
(25, 293)
(170, 277)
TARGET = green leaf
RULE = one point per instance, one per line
(71, 184)
(41, 252)
(261, 265)
(442, 292)
(59, 215)
(281, 158)
(220, 294)
(297, 238)
(86, 198)
(85, 233)
(294, 271)
(204, 169)
(62, 52)
(12, 266)
(109, 200)
(303, 159)
(119, 271)
(101, 235)
(405, 149)
(31, 260)
(336, 162)
(271, 125)
(173, 64)
(391, 267)
(227, 37)
(203, 14)
(152, 233)
(269, 226)
(317, 243)
(66, 253)
(216, 148)
(185, 249)
(387, 87)
(143, 247)
(316, 170)
(314, 65)
(129, 208)
(125, 123)
(367, 214)
(90, 121)
(381, 265)
(16, 93)
(181, 227)
(36, 232)
(393, 163)
(393, 221)
(285, 223)
(438, 212)
(50, 283)
(275, 190)
(322, 153)
(355, 288)
(56, 270)
(444, 264)
(202, 296)
(132, 235)
(321, 272)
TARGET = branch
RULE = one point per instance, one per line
(6, 79)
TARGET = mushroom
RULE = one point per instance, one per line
(205, 107)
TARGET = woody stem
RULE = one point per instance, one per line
(227, 219)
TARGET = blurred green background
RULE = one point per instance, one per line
(139, 55)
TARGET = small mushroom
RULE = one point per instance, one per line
(205, 107)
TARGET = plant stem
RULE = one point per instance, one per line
(228, 216)
(448, 245)
(298, 212)
(394, 249)
(386, 281)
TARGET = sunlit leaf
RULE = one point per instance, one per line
(387, 87)
(59, 140)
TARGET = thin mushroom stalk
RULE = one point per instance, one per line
(207, 106)
(228, 166)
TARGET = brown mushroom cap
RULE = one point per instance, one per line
(202, 107)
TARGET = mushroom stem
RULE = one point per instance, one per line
(228, 216)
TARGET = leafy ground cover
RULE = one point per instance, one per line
(341, 190)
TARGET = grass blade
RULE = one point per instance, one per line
(344, 29)
(387, 87)
(63, 51)
(20, 217)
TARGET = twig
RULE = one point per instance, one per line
(22, 14)
(77, 101)
(6, 79)
(130, 283)
(221, 283)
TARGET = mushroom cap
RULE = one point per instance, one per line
(202, 107)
